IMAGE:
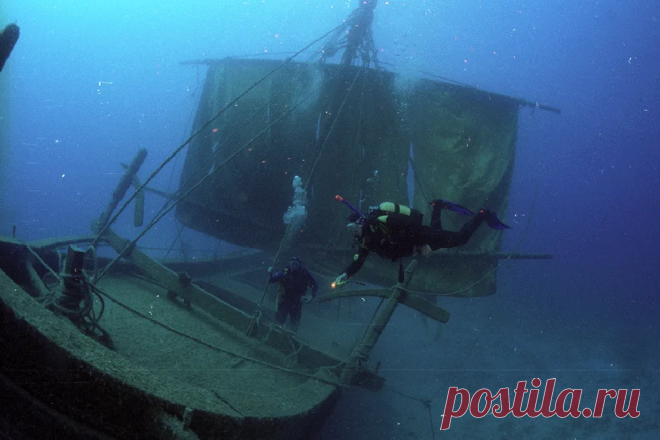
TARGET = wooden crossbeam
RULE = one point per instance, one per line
(406, 298)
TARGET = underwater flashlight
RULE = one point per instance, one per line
(342, 283)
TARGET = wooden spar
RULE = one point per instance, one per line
(171, 281)
(492, 255)
(36, 281)
(499, 255)
(122, 187)
(446, 254)
(351, 373)
(138, 214)
(539, 106)
(137, 184)
(408, 299)
(205, 61)
(450, 82)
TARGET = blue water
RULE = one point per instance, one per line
(91, 82)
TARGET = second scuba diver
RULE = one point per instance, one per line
(395, 231)
(294, 281)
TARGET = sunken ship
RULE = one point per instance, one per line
(356, 130)
(113, 347)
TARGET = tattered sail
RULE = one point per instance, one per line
(359, 132)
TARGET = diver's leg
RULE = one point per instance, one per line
(436, 223)
(438, 205)
(492, 220)
(295, 314)
(448, 239)
(281, 310)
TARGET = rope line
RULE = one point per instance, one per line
(194, 187)
(332, 127)
(202, 128)
(426, 402)
(309, 178)
(213, 347)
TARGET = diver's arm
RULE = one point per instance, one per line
(277, 277)
(356, 265)
(312, 283)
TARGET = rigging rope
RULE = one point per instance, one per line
(197, 185)
(309, 178)
(202, 128)
(210, 158)
(426, 402)
(216, 348)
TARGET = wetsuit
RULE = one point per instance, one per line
(293, 285)
(397, 235)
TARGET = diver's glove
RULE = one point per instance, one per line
(341, 280)
(306, 298)
(270, 269)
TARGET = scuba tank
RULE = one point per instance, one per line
(382, 211)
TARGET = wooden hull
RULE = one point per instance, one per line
(144, 388)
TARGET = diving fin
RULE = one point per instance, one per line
(440, 204)
(492, 220)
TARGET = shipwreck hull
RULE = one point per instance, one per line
(155, 384)
(365, 134)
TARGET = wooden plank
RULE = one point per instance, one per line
(122, 187)
(351, 373)
(445, 253)
(408, 299)
(171, 281)
(36, 281)
(421, 305)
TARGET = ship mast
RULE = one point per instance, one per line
(355, 38)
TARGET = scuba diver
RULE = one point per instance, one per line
(294, 281)
(8, 39)
(395, 231)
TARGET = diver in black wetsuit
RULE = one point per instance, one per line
(394, 231)
(294, 281)
(8, 39)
